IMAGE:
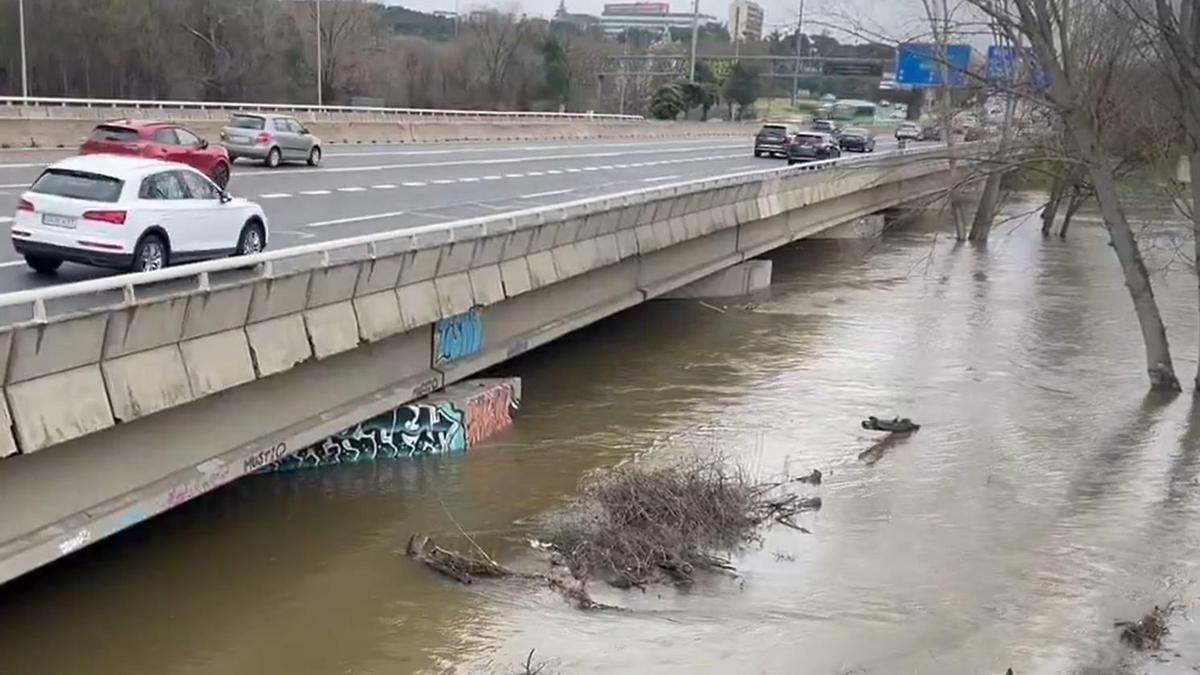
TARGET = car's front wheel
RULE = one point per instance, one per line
(252, 239)
(43, 264)
(314, 156)
(273, 158)
(150, 254)
(221, 175)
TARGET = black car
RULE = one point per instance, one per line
(856, 140)
(824, 126)
(930, 132)
(773, 139)
(811, 146)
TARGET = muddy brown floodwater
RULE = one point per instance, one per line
(1045, 496)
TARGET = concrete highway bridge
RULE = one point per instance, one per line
(123, 396)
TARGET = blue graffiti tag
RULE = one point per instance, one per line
(457, 337)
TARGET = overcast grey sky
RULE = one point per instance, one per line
(893, 17)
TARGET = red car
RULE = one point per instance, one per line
(159, 140)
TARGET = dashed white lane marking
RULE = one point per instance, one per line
(659, 178)
(607, 167)
(355, 219)
(352, 189)
(293, 233)
(591, 168)
(22, 166)
(414, 183)
(473, 162)
(15, 185)
(493, 177)
(385, 186)
(514, 175)
(6, 220)
(535, 173)
(314, 192)
(468, 179)
(551, 193)
(574, 170)
(442, 181)
(553, 172)
(275, 195)
(12, 263)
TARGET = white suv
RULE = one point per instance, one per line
(132, 214)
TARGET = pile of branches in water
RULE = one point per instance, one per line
(636, 524)
(1147, 633)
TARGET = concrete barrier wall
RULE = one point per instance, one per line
(49, 126)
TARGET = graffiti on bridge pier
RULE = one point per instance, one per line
(414, 429)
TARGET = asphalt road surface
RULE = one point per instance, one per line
(373, 188)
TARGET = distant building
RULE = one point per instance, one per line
(584, 21)
(745, 20)
(651, 17)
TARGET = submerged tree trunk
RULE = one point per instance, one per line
(1050, 213)
(1074, 203)
(1194, 171)
(985, 213)
(1159, 366)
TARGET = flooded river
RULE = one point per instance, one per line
(1045, 496)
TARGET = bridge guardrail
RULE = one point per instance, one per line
(37, 101)
(369, 246)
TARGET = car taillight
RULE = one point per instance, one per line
(24, 205)
(110, 217)
(263, 138)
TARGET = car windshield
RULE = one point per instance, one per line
(247, 122)
(855, 132)
(114, 134)
(91, 187)
(810, 139)
(773, 130)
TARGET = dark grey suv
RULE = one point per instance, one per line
(271, 139)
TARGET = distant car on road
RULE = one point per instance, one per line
(773, 139)
(824, 126)
(159, 140)
(271, 139)
(856, 140)
(132, 214)
(812, 146)
(930, 132)
(908, 131)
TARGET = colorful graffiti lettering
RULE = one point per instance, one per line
(489, 412)
(416, 429)
(457, 337)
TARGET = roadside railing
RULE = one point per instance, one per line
(291, 108)
(369, 246)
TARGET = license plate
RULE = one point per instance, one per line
(58, 221)
(240, 139)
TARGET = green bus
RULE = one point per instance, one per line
(853, 112)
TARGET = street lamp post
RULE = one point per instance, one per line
(796, 69)
(320, 63)
(695, 31)
(24, 63)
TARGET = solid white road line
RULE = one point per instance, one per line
(551, 193)
(330, 154)
(355, 219)
(658, 178)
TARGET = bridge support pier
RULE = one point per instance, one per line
(867, 227)
(742, 279)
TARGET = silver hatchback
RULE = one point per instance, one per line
(271, 139)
